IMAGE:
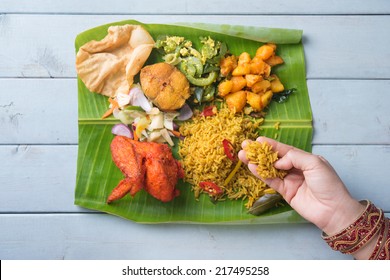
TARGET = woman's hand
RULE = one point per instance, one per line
(312, 187)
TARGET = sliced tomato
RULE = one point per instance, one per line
(229, 150)
(208, 111)
(210, 187)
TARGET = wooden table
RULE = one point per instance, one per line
(348, 70)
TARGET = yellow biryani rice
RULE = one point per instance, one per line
(204, 159)
(264, 157)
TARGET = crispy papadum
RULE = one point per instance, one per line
(109, 66)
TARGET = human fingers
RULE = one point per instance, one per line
(252, 168)
(294, 157)
(242, 156)
(275, 183)
(242, 153)
(300, 160)
(281, 148)
(245, 143)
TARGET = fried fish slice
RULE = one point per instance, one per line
(165, 86)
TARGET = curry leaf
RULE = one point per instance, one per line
(281, 97)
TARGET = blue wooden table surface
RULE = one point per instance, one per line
(348, 76)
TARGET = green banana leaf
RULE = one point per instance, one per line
(97, 175)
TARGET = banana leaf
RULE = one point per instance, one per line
(97, 175)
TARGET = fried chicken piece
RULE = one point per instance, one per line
(161, 173)
(129, 162)
(125, 186)
(146, 165)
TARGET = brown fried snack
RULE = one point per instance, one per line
(109, 66)
(165, 86)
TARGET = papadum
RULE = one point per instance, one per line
(109, 66)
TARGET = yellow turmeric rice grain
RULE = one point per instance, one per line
(203, 157)
(264, 157)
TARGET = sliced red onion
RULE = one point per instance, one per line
(138, 98)
(123, 99)
(175, 126)
(122, 130)
(185, 113)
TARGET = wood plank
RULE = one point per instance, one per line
(37, 181)
(41, 178)
(350, 112)
(100, 236)
(197, 7)
(344, 111)
(360, 168)
(38, 111)
(37, 178)
(335, 46)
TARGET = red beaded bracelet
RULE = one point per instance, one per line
(359, 233)
(380, 241)
(382, 247)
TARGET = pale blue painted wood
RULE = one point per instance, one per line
(41, 178)
(50, 117)
(348, 68)
(100, 236)
(197, 7)
(350, 111)
(349, 47)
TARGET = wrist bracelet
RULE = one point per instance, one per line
(379, 243)
(359, 233)
(367, 233)
(382, 247)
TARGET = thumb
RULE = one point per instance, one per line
(298, 159)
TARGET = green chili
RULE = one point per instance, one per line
(172, 58)
(209, 92)
(191, 66)
(211, 77)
